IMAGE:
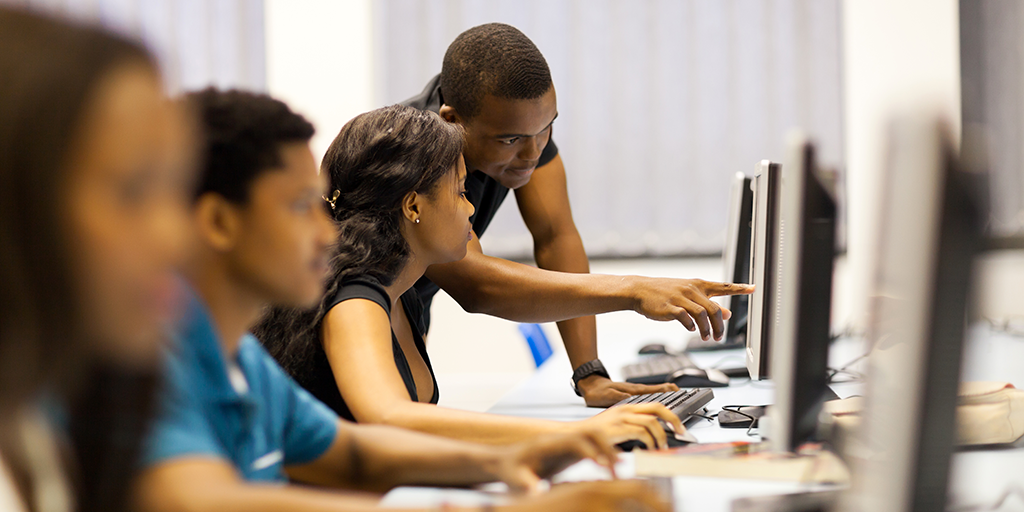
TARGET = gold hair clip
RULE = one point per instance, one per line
(333, 199)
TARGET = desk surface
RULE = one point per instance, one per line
(978, 477)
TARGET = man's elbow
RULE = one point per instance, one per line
(475, 299)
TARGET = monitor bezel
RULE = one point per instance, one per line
(765, 187)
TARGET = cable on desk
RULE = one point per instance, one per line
(709, 417)
(845, 369)
(1010, 325)
(854, 376)
(846, 332)
(754, 384)
(738, 410)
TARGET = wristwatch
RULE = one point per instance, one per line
(585, 370)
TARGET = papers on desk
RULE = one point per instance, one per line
(987, 413)
(744, 460)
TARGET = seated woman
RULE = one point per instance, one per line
(397, 179)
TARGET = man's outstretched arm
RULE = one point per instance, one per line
(563, 290)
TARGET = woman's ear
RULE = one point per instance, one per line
(217, 222)
(412, 207)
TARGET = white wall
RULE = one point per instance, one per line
(319, 61)
(898, 55)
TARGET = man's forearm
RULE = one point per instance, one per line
(205, 484)
(566, 254)
(391, 456)
(266, 498)
(521, 293)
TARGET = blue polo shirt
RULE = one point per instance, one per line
(201, 414)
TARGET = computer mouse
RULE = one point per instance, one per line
(674, 441)
(653, 349)
(699, 378)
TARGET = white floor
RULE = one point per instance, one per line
(478, 358)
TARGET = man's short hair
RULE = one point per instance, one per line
(494, 59)
(243, 134)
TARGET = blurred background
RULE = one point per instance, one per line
(660, 103)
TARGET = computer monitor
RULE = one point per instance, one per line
(736, 257)
(800, 335)
(929, 230)
(763, 251)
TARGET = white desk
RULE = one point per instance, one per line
(978, 477)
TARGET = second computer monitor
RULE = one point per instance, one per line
(763, 254)
(737, 257)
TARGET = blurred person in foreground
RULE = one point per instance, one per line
(95, 170)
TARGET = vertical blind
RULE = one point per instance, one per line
(992, 79)
(660, 102)
(197, 42)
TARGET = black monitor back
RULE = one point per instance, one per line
(800, 340)
(737, 257)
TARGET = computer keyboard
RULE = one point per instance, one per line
(655, 369)
(683, 403)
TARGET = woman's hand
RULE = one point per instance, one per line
(635, 422)
(524, 465)
(616, 496)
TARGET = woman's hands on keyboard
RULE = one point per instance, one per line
(634, 422)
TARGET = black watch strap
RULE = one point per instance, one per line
(585, 370)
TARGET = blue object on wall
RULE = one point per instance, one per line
(538, 342)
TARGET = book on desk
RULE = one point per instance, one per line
(812, 464)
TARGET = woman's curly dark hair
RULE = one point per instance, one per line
(375, 161)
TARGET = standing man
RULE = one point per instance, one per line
(497, 85)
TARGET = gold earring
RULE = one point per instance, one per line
(333, 199)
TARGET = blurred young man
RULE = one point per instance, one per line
(497, 85)
(233, 427)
